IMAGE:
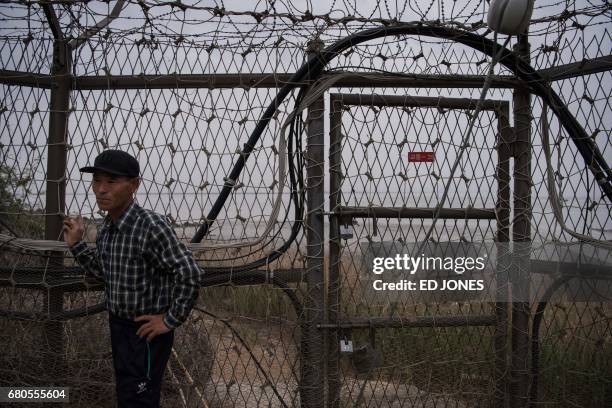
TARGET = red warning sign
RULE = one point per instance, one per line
(417, 157)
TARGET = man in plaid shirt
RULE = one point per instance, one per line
(151, 278)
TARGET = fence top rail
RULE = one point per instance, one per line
(252, 80)
(274, 80)
(418, 101)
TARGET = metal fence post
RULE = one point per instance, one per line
(335, 185)
(521, 236)
(56, 186)
(504, 153)
(313, 361)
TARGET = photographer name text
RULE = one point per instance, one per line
(412, 265)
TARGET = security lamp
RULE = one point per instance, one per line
(510, 17)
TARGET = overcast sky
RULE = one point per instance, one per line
(181, 152)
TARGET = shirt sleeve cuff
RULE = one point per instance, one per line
(171, 321)
(78, 248)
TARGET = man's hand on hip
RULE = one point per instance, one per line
(154, 326)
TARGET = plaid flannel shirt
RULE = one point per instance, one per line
(146, 269)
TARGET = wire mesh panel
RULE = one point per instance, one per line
(400, 358)
(183, 86)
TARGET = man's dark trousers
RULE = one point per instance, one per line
(139, 365)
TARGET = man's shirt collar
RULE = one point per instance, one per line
(124, 219)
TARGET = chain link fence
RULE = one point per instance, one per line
(288, 314)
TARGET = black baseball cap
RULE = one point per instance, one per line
(116, 162)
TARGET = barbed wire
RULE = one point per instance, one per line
(187, 140)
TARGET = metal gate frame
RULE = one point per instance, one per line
(343, 215)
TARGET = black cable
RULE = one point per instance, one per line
(313, 68)
(297, 194)
(296, 182)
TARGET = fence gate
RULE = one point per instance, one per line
(398, 347)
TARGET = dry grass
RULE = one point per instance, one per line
(452, 366)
